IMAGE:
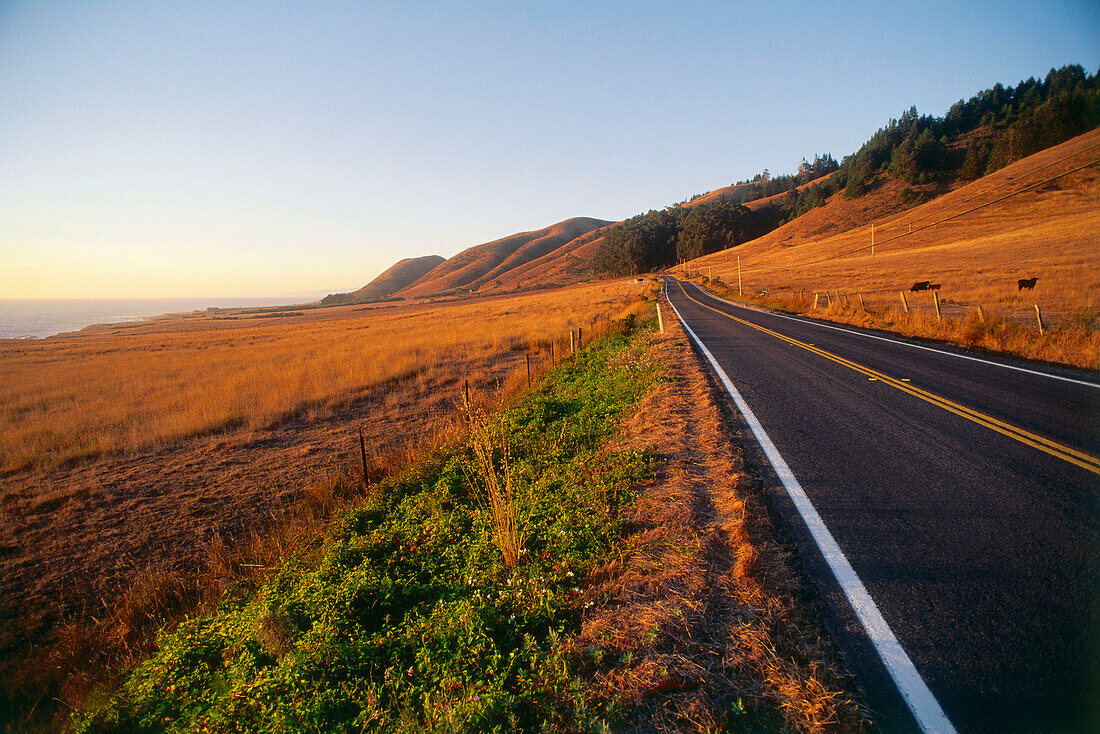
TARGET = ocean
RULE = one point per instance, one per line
(38, 319)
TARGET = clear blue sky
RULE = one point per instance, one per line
(243, 149)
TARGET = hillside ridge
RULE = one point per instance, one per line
(484, 266)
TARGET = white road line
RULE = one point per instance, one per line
(810, 322)
(930, 717)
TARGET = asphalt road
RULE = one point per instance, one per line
(964, 494)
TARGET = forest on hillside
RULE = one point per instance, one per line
(974, 138)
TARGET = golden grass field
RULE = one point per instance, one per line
(1051, 231)
(145, 466)
(64, 398)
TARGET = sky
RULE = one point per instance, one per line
(179, 149)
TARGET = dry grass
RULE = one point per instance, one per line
(1074, 340)
(88, 648)
(705, 618)
(1052, 232)
(66, 398)
(158, 519)
(493, 486)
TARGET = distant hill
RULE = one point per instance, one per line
(394, 279)
(569, 263)
(491, 266)
(400, 275)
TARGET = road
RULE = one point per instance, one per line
(963, 494)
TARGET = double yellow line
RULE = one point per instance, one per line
(1053, 448)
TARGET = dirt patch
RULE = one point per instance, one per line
(705, 622)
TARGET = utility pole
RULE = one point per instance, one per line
(739, 276)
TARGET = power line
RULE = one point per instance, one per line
(1012, 180)
(926, 226)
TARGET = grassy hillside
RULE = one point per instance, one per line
(484, 265)
(398, 276)
(1047, 230)
(568, 263)
(929, 154)
(1038, 217)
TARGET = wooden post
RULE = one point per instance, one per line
(1039, 318)
(904, 302)
(936, 300)
(467, 398)
(828, 301)
(572, 342)
(580, 338)
(739, 291)
(872, 240)
(815, 301)
(528, 371)
(861, 304)
(710, 271)
(981, 313)
(660, 321)
(363, 455)
(552, 362)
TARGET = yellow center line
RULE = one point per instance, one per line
(1066, 453)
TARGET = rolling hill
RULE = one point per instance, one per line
(400, 275)
(1039, 216)
(488, 266)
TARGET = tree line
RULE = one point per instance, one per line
(975, 138)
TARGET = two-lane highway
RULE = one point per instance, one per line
(961, 491)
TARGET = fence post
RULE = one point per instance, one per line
(363, 455)
(572, 342)
(467, 396)
(815, 301)
(861, 304)
(580, 338)
(936, 300)
(739, 291)
(660, 321)
(528, 370)
(904, 302)
(1039, 318)
(981, 313)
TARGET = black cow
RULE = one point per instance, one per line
(1027, 283)
(921, 285)
(933, 286)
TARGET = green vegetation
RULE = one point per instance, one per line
(410, 617)
(658, 239)
(976, 137)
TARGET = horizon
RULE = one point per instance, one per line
(155, 151)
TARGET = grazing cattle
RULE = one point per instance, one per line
(1027, 283)
(920, 285)
(933, 286)
(761, 294)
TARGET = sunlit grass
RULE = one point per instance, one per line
(90, 395)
